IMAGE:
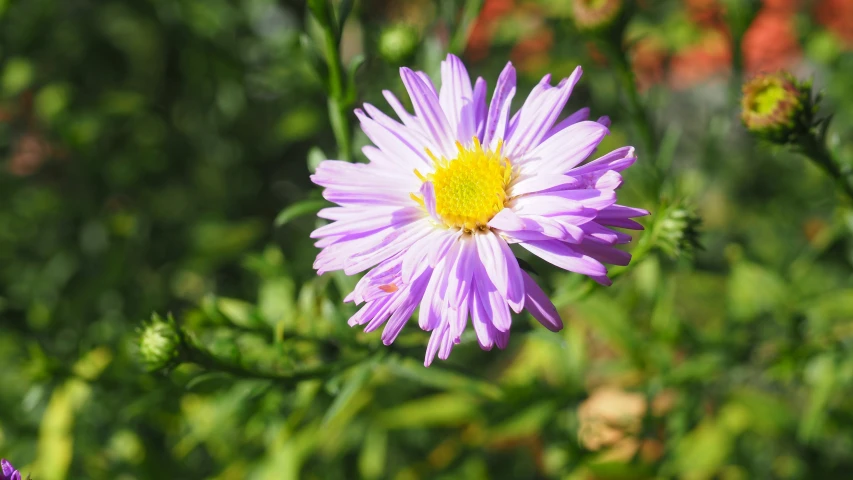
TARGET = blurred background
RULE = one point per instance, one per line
(147, 148)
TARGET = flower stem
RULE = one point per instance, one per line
(192, 352)
(463, 29)
(636, 108)
(338, 82)
(815, 149)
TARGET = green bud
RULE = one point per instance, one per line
(777, 107)
(397, 43)
(678, 232)
(159, 343)
(597, 15)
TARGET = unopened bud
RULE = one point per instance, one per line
(679, 231)
(777, 107)
(159, 343)
(397, 43)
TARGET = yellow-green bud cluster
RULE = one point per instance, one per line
(777, 107)
(596, 15)
(159, 343)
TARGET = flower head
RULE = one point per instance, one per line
(7, 471)
(431, 218)
(777, 107)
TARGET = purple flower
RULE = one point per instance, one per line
(449, 189)
(8, 471)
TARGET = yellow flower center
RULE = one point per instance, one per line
(471, 188)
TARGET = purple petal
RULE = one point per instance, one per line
(540, 306)
(391, 244)
(491, 300)
(428, 193)
(565, 150)
(498, 116)
(502, 268)
(429, 111)
(578, 116)
(541, 183)
(400, 143)
(617, 160)
(455, 94)
(537, 119)
(606, 253)
(565, 257)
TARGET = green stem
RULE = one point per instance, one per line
(337, 104)
(816, 150)
(194, 353)
(636, 108)
(463, 30)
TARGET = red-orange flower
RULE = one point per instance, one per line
(710, 57)
(837, 16)
(770, 43)
(483, 29)
(648, 57)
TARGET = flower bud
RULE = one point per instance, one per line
(777, 107)
(159, 343)
(397, 43)
(679, 231)
(596, 15)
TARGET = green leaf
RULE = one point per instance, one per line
(754, 290)
(298, 209)
(342, 13)
(240, 313)
(356, 381)
(444, 379)
(446, 409)
(374, 452)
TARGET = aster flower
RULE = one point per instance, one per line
(7, 471)
(431, 218)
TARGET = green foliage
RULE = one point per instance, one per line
(155, 157)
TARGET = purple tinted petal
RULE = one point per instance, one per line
(498, 116)
(617, 160)
(433, 301)
(565, 150)
(491, 300)
(459, 280)
(369, 221)
(429, 112)
(542, 183)
(401, 144)
(436, 340)
(606, 253)
(536, 120)
(7, 467)
(540, 306)
(481, 320)
(578, 116)
(455, 93)
(566, 257)
(428, 193)
(477, 111)
(390, 245)
(502, 268)
(408, 119)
